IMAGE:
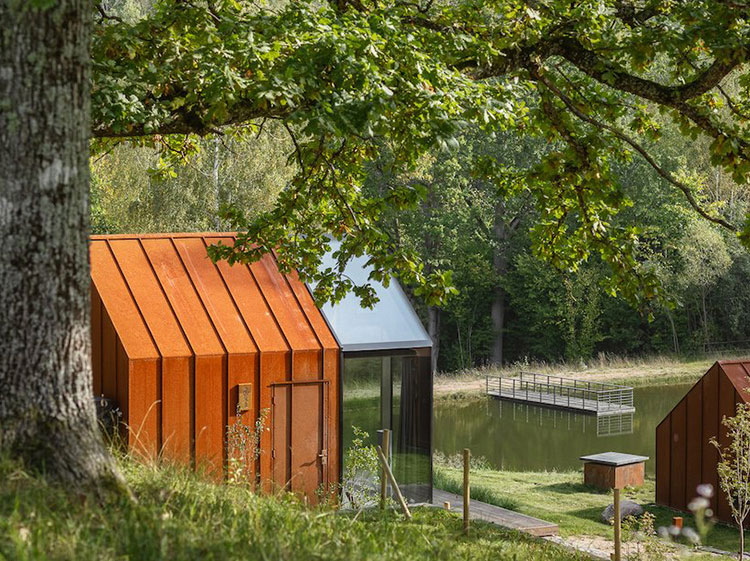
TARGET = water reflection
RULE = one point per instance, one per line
(522, 437)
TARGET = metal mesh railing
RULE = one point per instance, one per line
(599, 397)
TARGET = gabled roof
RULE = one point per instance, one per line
(167, 298)
(391, 324)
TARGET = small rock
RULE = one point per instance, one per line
(627, 508)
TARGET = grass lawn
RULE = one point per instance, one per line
(561, 497)
(635, 372)
(179, 516)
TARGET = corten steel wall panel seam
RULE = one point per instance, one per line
(274, 356)
(109, 358)
(243, 357)
(693, 450)
(144, 401)
(220, 308)
(307, 373)
(288, 370)
(118, 299)
(249, 300)
(663, 467)
(157, 356)
(123, 401)
(311, 312)
(176, 356)
(683, 397)
(151, 300)
(207, 411)
(183, 297)
(214, 296)
(677, 460)
(726, 408)
(96, 341)
(710, 430)
(285, 308)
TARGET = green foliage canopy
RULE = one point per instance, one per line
(594, 78)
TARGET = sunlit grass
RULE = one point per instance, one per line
(177, 515)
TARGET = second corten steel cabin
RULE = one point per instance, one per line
(685, 458)
(179, 343)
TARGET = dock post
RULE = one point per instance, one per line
(467, 490)
(617, 556)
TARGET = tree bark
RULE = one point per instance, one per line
(47, 416)
(500, 266)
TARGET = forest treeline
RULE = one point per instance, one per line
(510, 303)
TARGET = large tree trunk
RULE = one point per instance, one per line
(47, 417)
(500, 266)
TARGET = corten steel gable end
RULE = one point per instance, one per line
(685, 457)
(174, 335)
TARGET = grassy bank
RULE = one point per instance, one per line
(561, 497)
(636, 372)
(179, 516)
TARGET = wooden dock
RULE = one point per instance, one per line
(497, 515)
(594, 398)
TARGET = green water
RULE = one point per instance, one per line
(519, 437)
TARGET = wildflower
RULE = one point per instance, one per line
(705, 490)
(699, 503)
(691, 536)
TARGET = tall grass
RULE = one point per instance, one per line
(177, 515)
(445, 481)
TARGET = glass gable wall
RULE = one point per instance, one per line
(386, 379)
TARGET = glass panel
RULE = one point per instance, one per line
(391, 323)
(391, 391)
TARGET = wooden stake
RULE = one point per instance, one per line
(617, 556)
(383, 475)
(467, 490)
(394, 485)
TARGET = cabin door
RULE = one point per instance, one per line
(299, 454)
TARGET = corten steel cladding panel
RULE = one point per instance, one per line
(306, 350)
(663, 461)
(694, 401)
(726, 409)
(299, 434)
(123, 350)
(677, 482)
(711, 420)
(209, 362)
(177, 360)
(96, 341)
(242, 361)
(275, 357)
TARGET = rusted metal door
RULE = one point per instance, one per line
(299, 437)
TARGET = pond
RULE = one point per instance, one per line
(520, 437)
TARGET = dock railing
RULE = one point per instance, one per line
(598, 397)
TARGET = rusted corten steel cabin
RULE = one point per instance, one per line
(179, 342)
(176, 338)
(684, 456)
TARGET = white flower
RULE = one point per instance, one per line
(699, 503)
(705, 490)
(24, 533)
(691, 535)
